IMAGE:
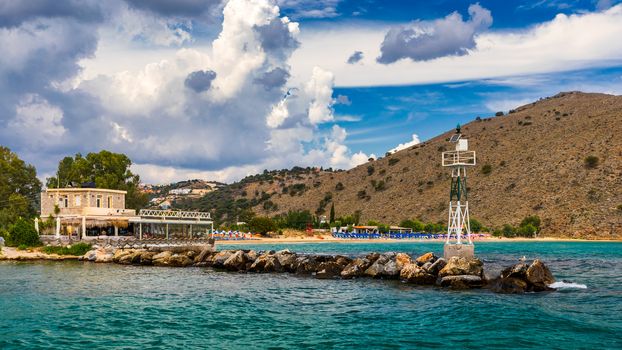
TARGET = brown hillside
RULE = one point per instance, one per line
(537, 156)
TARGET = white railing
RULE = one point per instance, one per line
(452, 158)
(169, 214)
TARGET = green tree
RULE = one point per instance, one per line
(332, 213)
(23, 233)
(508, 231)
(533, 220)
(106, 170)
(382, 228)
(295, 219)
(527, 230)
(262, 225)
(19, 188)
(476, 226)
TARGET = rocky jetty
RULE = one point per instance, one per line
(427, 269)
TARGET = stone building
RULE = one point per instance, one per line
(86, 211)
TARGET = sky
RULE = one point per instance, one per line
(221, 89)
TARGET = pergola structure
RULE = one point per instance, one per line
(163, 218)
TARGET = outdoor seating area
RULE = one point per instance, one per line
(231, 235)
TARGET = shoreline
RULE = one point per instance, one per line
(329, 239)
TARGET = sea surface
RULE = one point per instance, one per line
(74, 305)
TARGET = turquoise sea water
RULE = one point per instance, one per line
(86, 306)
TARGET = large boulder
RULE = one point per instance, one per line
(266, 263)
(306, 264)
(436, 266)
(236, 262)
(356, 268)
(162, 259)
(333, 267)
(384, 266)
(413, 273)
(146, 257)
(521, 278)
(457, 266)
(204, 255)
(508, 285)
(103, 256)
(121, 254)
(90, 255)
(128, 258)
(218, 260)
(425, 258)
(135, 258)
(539, 276)
(286, 259)
(402, 259)
(462, 281)
(515, 271)
(179, 260)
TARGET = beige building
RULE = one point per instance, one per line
(86, 211)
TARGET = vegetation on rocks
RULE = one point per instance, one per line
(22, 233)
(74, 249)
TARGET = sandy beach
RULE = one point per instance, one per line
(330, 239)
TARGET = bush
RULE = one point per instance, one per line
(23, 233)
(74, 249)
(533, 220)
(416, 225)
(393, 161)
(370, 170)
(487, 169)
(262, 225)
(476, 226)
(339, 186)
(591, 162)
(499, 114)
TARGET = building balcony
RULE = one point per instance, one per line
(94, 211)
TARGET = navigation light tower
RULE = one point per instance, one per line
(458, 223)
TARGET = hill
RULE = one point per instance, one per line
(559, 158)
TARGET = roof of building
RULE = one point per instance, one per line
(73, 189)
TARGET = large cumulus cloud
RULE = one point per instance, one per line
(209, 112)
(426, 40)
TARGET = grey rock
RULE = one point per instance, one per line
(462, 281)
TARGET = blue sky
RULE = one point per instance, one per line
(220, 89)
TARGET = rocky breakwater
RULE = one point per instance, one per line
(427, 269)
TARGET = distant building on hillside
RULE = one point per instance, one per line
(86, 211)
(182, 191)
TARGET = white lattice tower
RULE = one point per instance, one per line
(458, 160)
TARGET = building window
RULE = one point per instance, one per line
(63, 201)
(109, 201)
(98, 201)
(77, 200)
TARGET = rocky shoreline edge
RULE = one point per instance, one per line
(427, 269)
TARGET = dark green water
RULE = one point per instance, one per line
(87, 306)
